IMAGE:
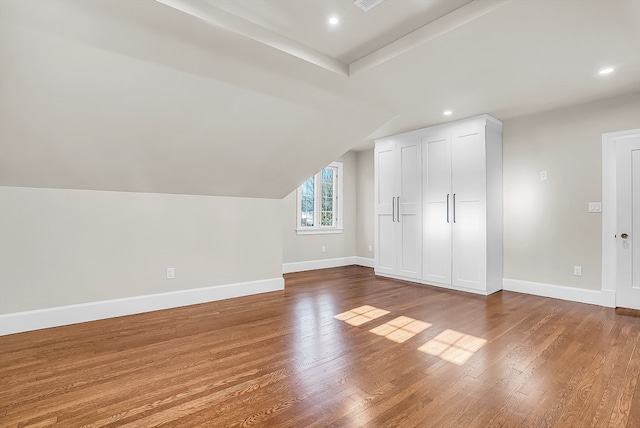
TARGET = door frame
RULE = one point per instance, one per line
(609, 211)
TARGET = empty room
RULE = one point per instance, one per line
(320, 213)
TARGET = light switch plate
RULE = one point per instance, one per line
(595, 207)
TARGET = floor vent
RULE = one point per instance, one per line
(367, 5)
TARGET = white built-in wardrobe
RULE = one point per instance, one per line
(438, 205)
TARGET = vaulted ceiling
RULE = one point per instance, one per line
(248, 98)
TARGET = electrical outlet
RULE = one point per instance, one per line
(543, 175)
(595, 207)
(171, 273)
(324, 249)
(577, 270)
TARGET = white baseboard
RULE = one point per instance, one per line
(435, 284)
(594, 297)
(364, 261)
(64, 315)
(326, 263)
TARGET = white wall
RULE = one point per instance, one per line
(303, 248)
(547, 229)
(365, 207)
(66, 247)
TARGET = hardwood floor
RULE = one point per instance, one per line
(436, 358)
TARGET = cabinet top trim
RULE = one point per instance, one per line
(483, 119)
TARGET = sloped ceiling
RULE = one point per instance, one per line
(143, 96)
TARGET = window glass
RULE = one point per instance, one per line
(307, 203)
(327, 196)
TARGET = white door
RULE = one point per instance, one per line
(409, 210)
(468, 173)
(628, 222)
(438, 218)
(385, 205)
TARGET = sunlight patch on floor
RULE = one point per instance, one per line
(361, 315)
(400, 329)
(453, 346)
(450, 345)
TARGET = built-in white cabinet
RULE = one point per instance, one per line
(439, 205)
(398, 201)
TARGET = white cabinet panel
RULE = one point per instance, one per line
(385, 239)
(436, 209)
(468, 187)
(386, 247)
(385, 186)
(468, 166)
(398, 187)
(468, 246)
(410, 258)
(410, 210)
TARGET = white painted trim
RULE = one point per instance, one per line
(437, 131)
(609, 207)
(364, 261)
(608, 212)
(327, 231)
(437, 284)
(64, 315)
(326, 263)
(317, 264)
(605, 298)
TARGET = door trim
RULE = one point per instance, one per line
(609, 206)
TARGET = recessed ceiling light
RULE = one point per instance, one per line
(447, 112)
(607, 70)
(334, 20)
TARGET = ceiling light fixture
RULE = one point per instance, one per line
(334, 20)
(605, 71)
(447, 112)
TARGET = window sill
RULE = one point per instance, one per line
(318, 231)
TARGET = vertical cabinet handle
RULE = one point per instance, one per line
(454, 207)
(398, 209)
(393, 209)
(447, 208)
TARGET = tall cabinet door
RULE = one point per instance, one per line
(438, 218)
(468, 172)
(385, 200)
(409, 210)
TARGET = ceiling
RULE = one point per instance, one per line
(358, 34)
(249, 98)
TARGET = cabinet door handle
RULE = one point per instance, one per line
(454, 207)
(398, 210)
(447, 208)
(393, 209)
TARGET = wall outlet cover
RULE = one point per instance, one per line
(595, 207)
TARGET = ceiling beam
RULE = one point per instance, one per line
(236, 24)
(219, 18)
(449, 22)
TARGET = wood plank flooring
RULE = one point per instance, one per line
(338, 348)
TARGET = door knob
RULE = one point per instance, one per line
(624, 236)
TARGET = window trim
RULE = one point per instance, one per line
(338, 201)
